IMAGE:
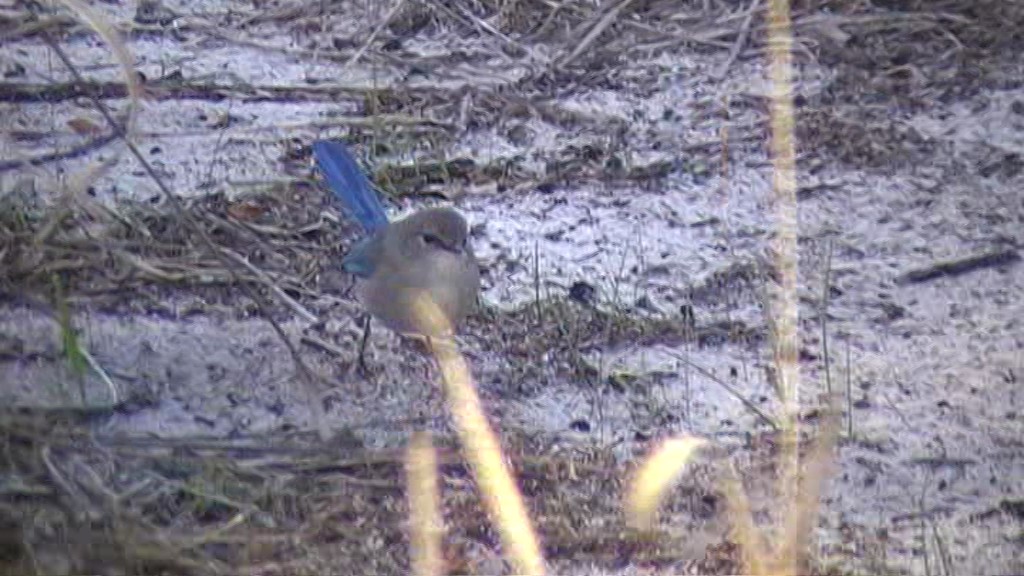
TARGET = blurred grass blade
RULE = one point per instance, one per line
(654, 478)
(501, 497)
(753, 550)
(425, 521)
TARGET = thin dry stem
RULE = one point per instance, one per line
(804, 509)
(121, 53)
(744, 531)
(783, 156)
(602, 24)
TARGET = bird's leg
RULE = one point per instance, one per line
(362, 345)
(432, 373)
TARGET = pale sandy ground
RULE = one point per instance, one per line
(935, 367)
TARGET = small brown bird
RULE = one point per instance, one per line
(427, 254)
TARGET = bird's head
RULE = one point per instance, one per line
(435, 229)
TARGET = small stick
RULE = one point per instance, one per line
(295, 306)
(741, 41)
(958, 267)
(373, 36)
(322, 344)
(825, 290)
(536, 282)
(728, 388)
(596, 31)
(849, 394)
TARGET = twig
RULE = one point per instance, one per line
(192, 22)
(29, 29)
(148, 269)
(962, 266)
(91, 480)
(79, 500)
(603, 23)
(741, 41)
(887, 19)
(849, 393)
(826, 291)
(73, 152)
(213, 535)
(322, 345)
(373, 35)
(536, 283)
(704, 37)
(469, 19)
(172, 89)
(728, 388)
(295, 306)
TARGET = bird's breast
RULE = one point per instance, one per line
(451, 281)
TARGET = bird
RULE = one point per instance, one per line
(427, 253)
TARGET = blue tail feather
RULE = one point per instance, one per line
(349, 184)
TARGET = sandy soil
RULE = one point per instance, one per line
(638, 168)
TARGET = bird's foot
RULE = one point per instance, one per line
(365, 369)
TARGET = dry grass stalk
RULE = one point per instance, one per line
(425, 521)
(121, 53)
(753, 548)
(797, 494)
(502, 498)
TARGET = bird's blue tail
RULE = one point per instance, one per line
(349, 184)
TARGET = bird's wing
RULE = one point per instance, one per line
(364, 256)
(349, 184)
